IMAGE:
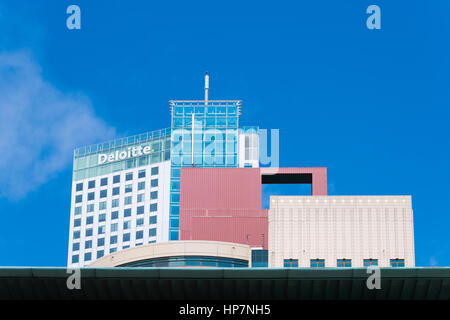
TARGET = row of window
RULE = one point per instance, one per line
(116, 179)
(342, 263)
(115, 203)
(208, 122)
(113, 226)
(115, 214)
(100, 253)
(210, 110)
(126, 237)
(115, 191)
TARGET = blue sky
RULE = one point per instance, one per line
(371, 105)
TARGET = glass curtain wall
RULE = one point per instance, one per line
(203, 135)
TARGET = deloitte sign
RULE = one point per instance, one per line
(122, 155)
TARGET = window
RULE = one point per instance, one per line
(76, 234)
(77, 222)
(102, 217)
(153, 195)
(87, 256)
(141, 174)
(116, 179)
(79, 198)
(91, 184)
(173, 235)
(79, 186)
(173, 223)
(125, 247)
(101, 230)
(114, 227)
(75, 258)
(91, 196)
(139, 234)
(140, 222)
(397, 263)
(90, 220)
(90, 207)
(153, 207)
(103, 193)
(344, 263)
(140, 210)
(141, 185)
(100, 242)
(129, 176)
(152, 232)
(76, 246)
(100, 253)
(128, 188)
(291, 263)
(174, 210)
(115, 191)
(154, 183)
(112, 250)
(114, 203)
(88, 244)
(77, 210)
(126, 237)
(114, 215)
(155, 171)
(370, 262)
(89, 232)
(127, 212)
(102, 205)
(317, 263)
(127, 200)
(103, 182)
(113, 240)
(140, 197)
(175, 172)
(152, 220)
(126, 225)
(175, 197)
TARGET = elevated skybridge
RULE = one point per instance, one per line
(225, 284)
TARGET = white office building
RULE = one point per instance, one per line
(120, 196)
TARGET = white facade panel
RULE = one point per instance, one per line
(122, 225)
(248, 149)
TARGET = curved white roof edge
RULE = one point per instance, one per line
(173, 249)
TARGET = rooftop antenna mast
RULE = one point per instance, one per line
(206, 87)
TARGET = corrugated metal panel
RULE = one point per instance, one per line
(222, 204)
(231, 229)
(234, 188)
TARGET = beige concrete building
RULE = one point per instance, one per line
(322, 231)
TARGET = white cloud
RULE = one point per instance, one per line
(39, 126)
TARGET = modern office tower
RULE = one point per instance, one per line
(126, 192)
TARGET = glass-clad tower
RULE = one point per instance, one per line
(204, 134)
(126, 192)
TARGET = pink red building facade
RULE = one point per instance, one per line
(224, 204)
